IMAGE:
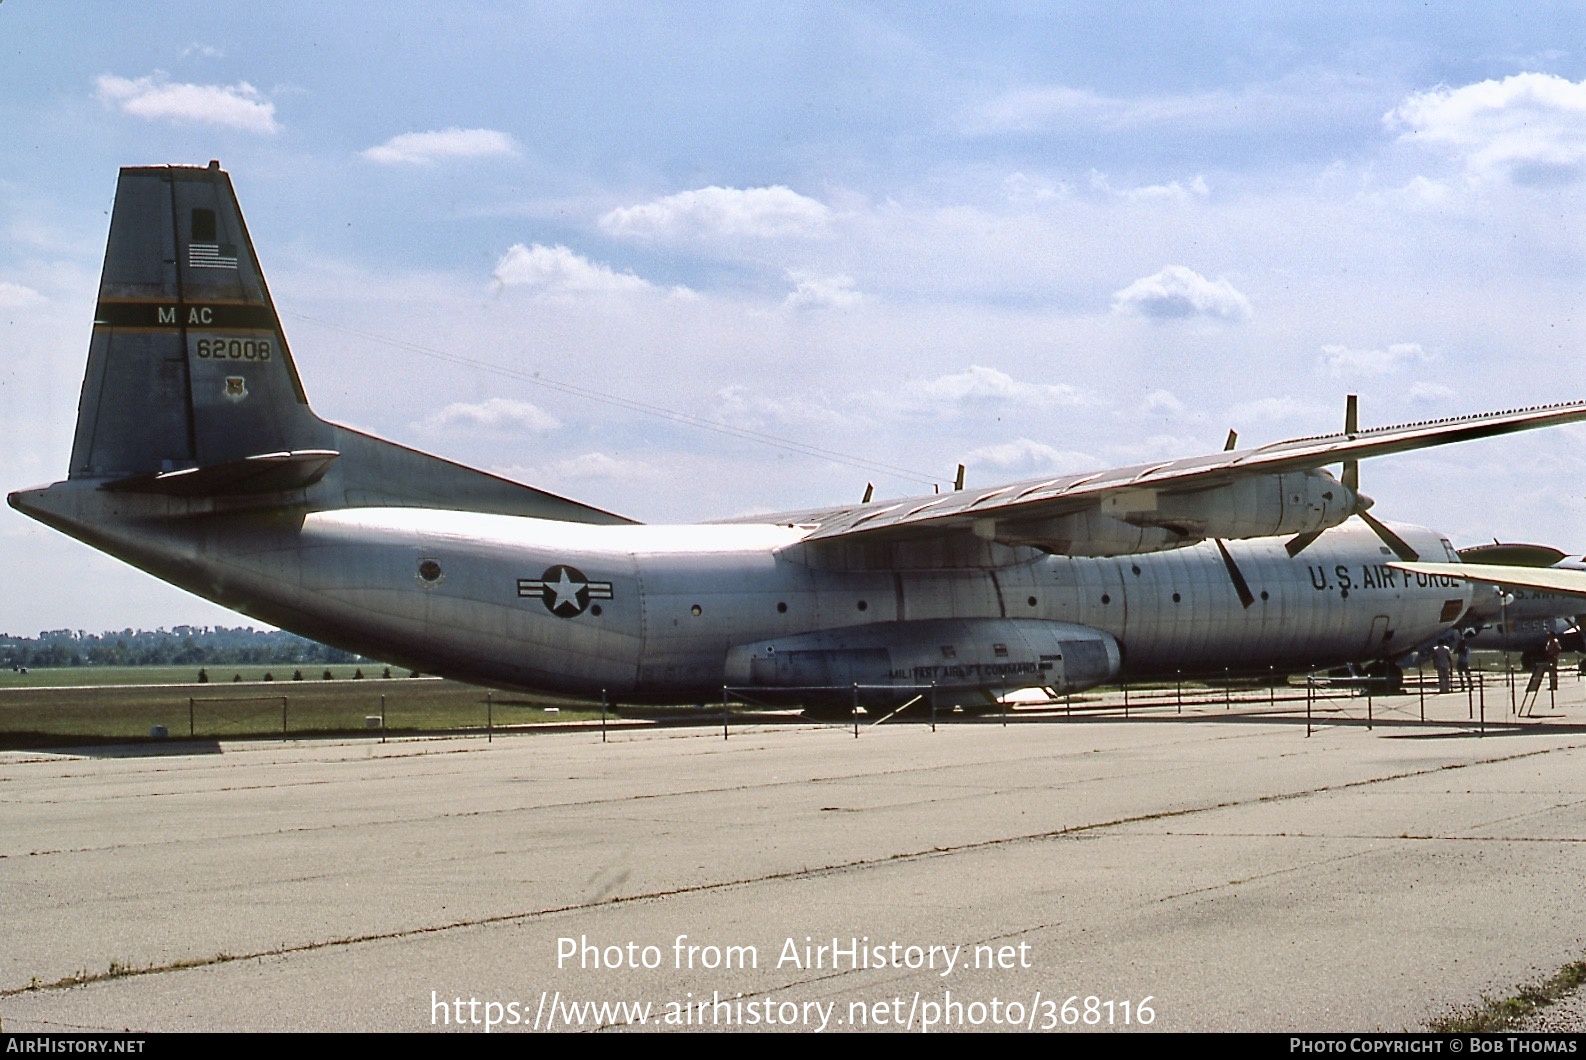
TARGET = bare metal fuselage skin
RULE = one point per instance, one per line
(198, 459)
(656, 611)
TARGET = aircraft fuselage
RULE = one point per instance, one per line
(653, 613)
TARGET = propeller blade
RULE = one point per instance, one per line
(958, 483)
(1351, 476)
(1300, 542)
(1389, 538)
(1233, 440)
(870, 491)
(1235, 575)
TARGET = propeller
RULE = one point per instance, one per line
(1350, 477)
(1235, 575)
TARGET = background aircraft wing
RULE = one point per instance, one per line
(1544, 579)
(1032, 502)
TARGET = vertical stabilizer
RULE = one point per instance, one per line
(191, 391)
(188, 366)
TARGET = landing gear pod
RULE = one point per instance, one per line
(985, 656)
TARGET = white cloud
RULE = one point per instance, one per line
(1283, 410)
(1162, 401)
(239, 106)
(813, 290)
(1341, 360)
(558, 271)
(427, 148)
(1023, 189)
(585, 466)
(1529, 128)
(493, 414)
(1303, 94)
(598, 465)
(740, 406)
(1035, 109)
(757, 212)
(1026, 457)
(16, 296)
(1177, 292)
(1430, 393)
(980, 383)
(1196, 189)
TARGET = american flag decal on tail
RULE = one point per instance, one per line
(211, 256)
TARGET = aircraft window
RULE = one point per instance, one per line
(430, 571)
(781, 607)
(1000, 650)
(1032, 601)
(594, 609)
(696, 611)
(863, 606)
(1175, 598)
(1263, 594)
(949, 652)
(1106, 599)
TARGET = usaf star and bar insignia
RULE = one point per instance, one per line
(565, 590)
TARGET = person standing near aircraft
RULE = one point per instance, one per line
(1462, 664)
(1443, 661)
(1550, 654)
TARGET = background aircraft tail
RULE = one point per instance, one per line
(191, 389)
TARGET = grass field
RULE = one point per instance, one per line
(81, 705)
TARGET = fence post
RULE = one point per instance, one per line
(603, 715)
(283, 718)
(382, 717)
(191, 729)
(490, 716)
(856, 710)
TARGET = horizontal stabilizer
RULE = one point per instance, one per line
(265, 473)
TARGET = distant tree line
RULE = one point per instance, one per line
(181, 646)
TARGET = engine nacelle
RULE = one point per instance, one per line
(1087, 533)
(1146, 520)
(979, 655)
(1299, 502)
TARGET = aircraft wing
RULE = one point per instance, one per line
(1544, 579)
(1041, 499)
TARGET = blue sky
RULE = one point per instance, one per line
(1031, 237)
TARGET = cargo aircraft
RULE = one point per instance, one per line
(198, 459)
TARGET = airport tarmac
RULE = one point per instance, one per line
(1212, 870)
